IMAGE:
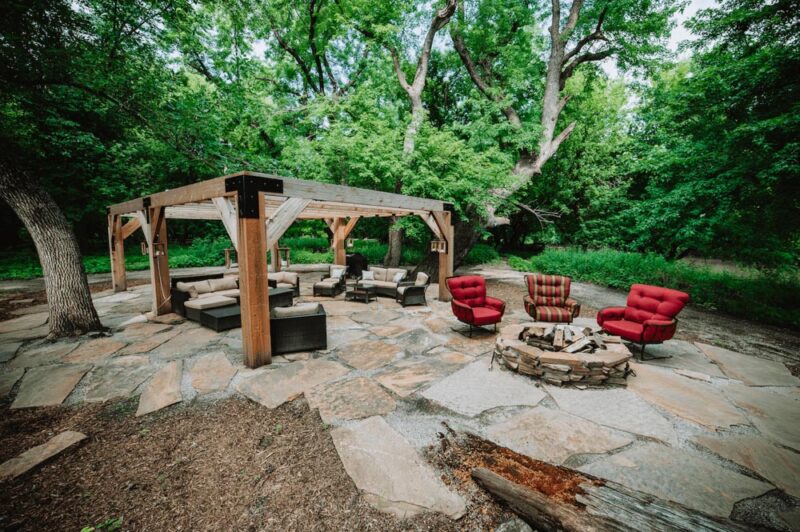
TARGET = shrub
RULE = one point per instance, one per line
(773, 298)
(481, 254)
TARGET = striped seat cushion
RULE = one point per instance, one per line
(558, 314)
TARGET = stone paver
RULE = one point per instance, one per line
(678, 475)
(471, 346)
(8, 380)
(274, 387)
(344, 337)
(146, 345)
(779, 466)
(682, 355)
(387, 331)
(26, 322)
(188, 341)
(48, 385)
(419, 341)
(617, 408)
(94, 350)
(686, 398)
(115, 380)
(750, 370)
(438, 325)
(8, 350)
(37, 455)
(407, 376)
(388, 470)
(375, 317)
(791, 518)
(341, 322)
(474, 389)
(164, 389)
(354, 399)
(46, 353)
(212, 373)
(775, 415)
(368, 354)
(142, 330)
(554, 436)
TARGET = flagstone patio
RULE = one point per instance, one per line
(707, 428)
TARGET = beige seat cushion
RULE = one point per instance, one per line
(401, 290)
(233, 292)
(285, 285)
(380, 273)
(205, 303)
(327, 282)
(284, 277)
(330, 280)
(391, 272)
(303, 309)
(194, 289)
(382, 284)
(226, 283)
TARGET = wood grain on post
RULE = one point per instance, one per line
(253, 289)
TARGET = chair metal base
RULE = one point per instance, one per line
(644, 358)
(468, 332)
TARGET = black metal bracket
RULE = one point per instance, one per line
(247, 188)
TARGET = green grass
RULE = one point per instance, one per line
(769, 298)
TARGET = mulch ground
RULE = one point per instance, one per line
(229, 465)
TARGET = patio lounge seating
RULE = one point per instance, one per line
(332, 284)
(201, 287)
(548, 298)
(413, 292)
(285, 280)
(385, 280)
(648, 318)
(470, 303)
(298, 328)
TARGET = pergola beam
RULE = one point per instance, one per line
(283, 218)
(227, 213)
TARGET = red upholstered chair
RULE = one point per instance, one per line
(548, 298)
(470, 303)
(648, 318)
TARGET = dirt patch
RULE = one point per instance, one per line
(460, 454)
(229, 465)
(12, 300)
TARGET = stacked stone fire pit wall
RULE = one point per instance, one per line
(608, 366)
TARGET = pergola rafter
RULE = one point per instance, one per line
(256, 210)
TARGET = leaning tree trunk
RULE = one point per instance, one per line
(69, 300)
(466, 235)
(394, 253)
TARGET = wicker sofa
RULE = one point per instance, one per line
(202, 287)
(285, 280)
(299, 328)
(385, 280)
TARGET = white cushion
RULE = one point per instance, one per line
(327, 282)
(233, 292)
(205, 303)
(284, 285)
(380, 273)
(218, 285)
(367, 275)
(422, 278)
(337, 271)
(302, 309)
(401, 289)
(383, 284)
(391, 273)
(284, 277)
(330, 280)
(398, 277)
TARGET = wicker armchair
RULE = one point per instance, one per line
(413, 292)
(298, 328)
(330, 285)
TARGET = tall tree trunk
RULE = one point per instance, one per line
(68, 297)
(394, 253)
(466, 235)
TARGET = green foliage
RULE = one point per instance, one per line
(481, 254)
(109, 525)
(768, 298)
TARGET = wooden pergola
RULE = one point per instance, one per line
(256, 210)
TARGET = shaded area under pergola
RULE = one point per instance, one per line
(256, 210)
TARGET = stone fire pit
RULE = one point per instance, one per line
(563, 354)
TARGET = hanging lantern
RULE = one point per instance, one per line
(439, 246)
(349, 242)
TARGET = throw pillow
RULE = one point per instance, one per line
(398, 277)
(337, 273)
(422, 278)
(367, 275)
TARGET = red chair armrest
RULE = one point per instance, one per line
(462, 311)
(610, 313)
(497, 304)
(658, 330)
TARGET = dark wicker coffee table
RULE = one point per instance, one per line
(361, 292)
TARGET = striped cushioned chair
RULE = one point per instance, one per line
(548, 298)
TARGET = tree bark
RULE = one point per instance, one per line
(394, 254)
(466, 235)
(68, 297)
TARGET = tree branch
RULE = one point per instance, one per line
(299, 60)
(313, 11)
(569, 70)
(572, 20)
(440, 19)
(398, 70)
(596, 35)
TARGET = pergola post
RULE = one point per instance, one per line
(116, 248)
(159, 263)
(275, 258)
(253, 286)
(444, 221)
(339, 236)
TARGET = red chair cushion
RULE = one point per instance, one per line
(468, 289)
(646, 302)
(485, 316)
(630, 330)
